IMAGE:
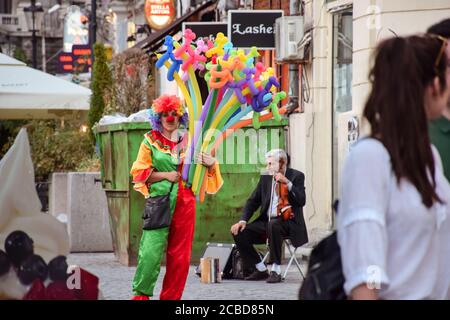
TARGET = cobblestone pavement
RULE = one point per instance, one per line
(115, 282)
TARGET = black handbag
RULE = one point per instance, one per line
(157, 212)
(325, 279)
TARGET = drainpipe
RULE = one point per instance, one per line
(293, 93)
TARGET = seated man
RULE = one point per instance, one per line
(273, 223)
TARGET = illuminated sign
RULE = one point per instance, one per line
(65, 63)
(76, 28)
(77, 61)
(81, 58)
(159, 13)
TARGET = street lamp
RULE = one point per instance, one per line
(33, 15)
(43, 34)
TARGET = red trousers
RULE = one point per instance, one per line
(179, 245)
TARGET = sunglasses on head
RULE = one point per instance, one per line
(441, 51)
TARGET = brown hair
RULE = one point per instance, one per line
(442, 28)
(395, 108)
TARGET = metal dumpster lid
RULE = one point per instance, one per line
(126, 126)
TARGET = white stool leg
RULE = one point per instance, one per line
(293, 258)
(290, 260)
(265, 257)
(298, 265)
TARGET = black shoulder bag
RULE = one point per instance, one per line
(157, 211)
(325, 279)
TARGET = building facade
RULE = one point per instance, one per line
(15, 33)
(344, 35)
(332, 83)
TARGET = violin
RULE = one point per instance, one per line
(284, 209)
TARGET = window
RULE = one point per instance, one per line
(342, 69)
(342, 61)
(6, 6)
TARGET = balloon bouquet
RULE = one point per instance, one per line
(237, 85)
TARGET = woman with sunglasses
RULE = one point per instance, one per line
(394, 214)
(156, 172)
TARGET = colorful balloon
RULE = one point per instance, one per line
(175, 66)
(237, 85)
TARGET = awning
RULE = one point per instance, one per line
(27, 93)
(156, 39)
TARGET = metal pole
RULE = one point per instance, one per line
(293, 68)
(44, 62)
(93, 30)
(34, 40)
(94, 21)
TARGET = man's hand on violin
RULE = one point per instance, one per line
(279, 177)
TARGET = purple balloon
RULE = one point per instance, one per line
(197, 132)
(237, 87)
(272, 82)
(258, 102)
(250, 82)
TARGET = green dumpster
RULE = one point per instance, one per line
(241, 156)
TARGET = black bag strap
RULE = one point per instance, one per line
(171, 187)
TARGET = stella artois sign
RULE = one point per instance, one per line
(159, 13)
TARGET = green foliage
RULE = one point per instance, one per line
(20, 55)
(89, 164)
(101, 86)
(56, 149)
(8, 132)
(130, 72)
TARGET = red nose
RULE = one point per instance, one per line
(170, 119)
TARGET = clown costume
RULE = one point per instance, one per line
(160, 156)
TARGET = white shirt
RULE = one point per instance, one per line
(387, 235)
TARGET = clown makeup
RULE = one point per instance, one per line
(170, 121)
(170, 116)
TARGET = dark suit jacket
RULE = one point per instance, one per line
(260, 198)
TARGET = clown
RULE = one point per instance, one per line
(157, 166)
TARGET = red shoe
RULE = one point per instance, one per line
(140, 298)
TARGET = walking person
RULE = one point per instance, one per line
(440, 128)
(393, 224)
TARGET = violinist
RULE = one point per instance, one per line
(280, 194)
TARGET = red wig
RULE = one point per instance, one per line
(167, 103)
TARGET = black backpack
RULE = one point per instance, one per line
(324, 280)
(236, 268)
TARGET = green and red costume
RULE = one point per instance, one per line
(158, 153)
